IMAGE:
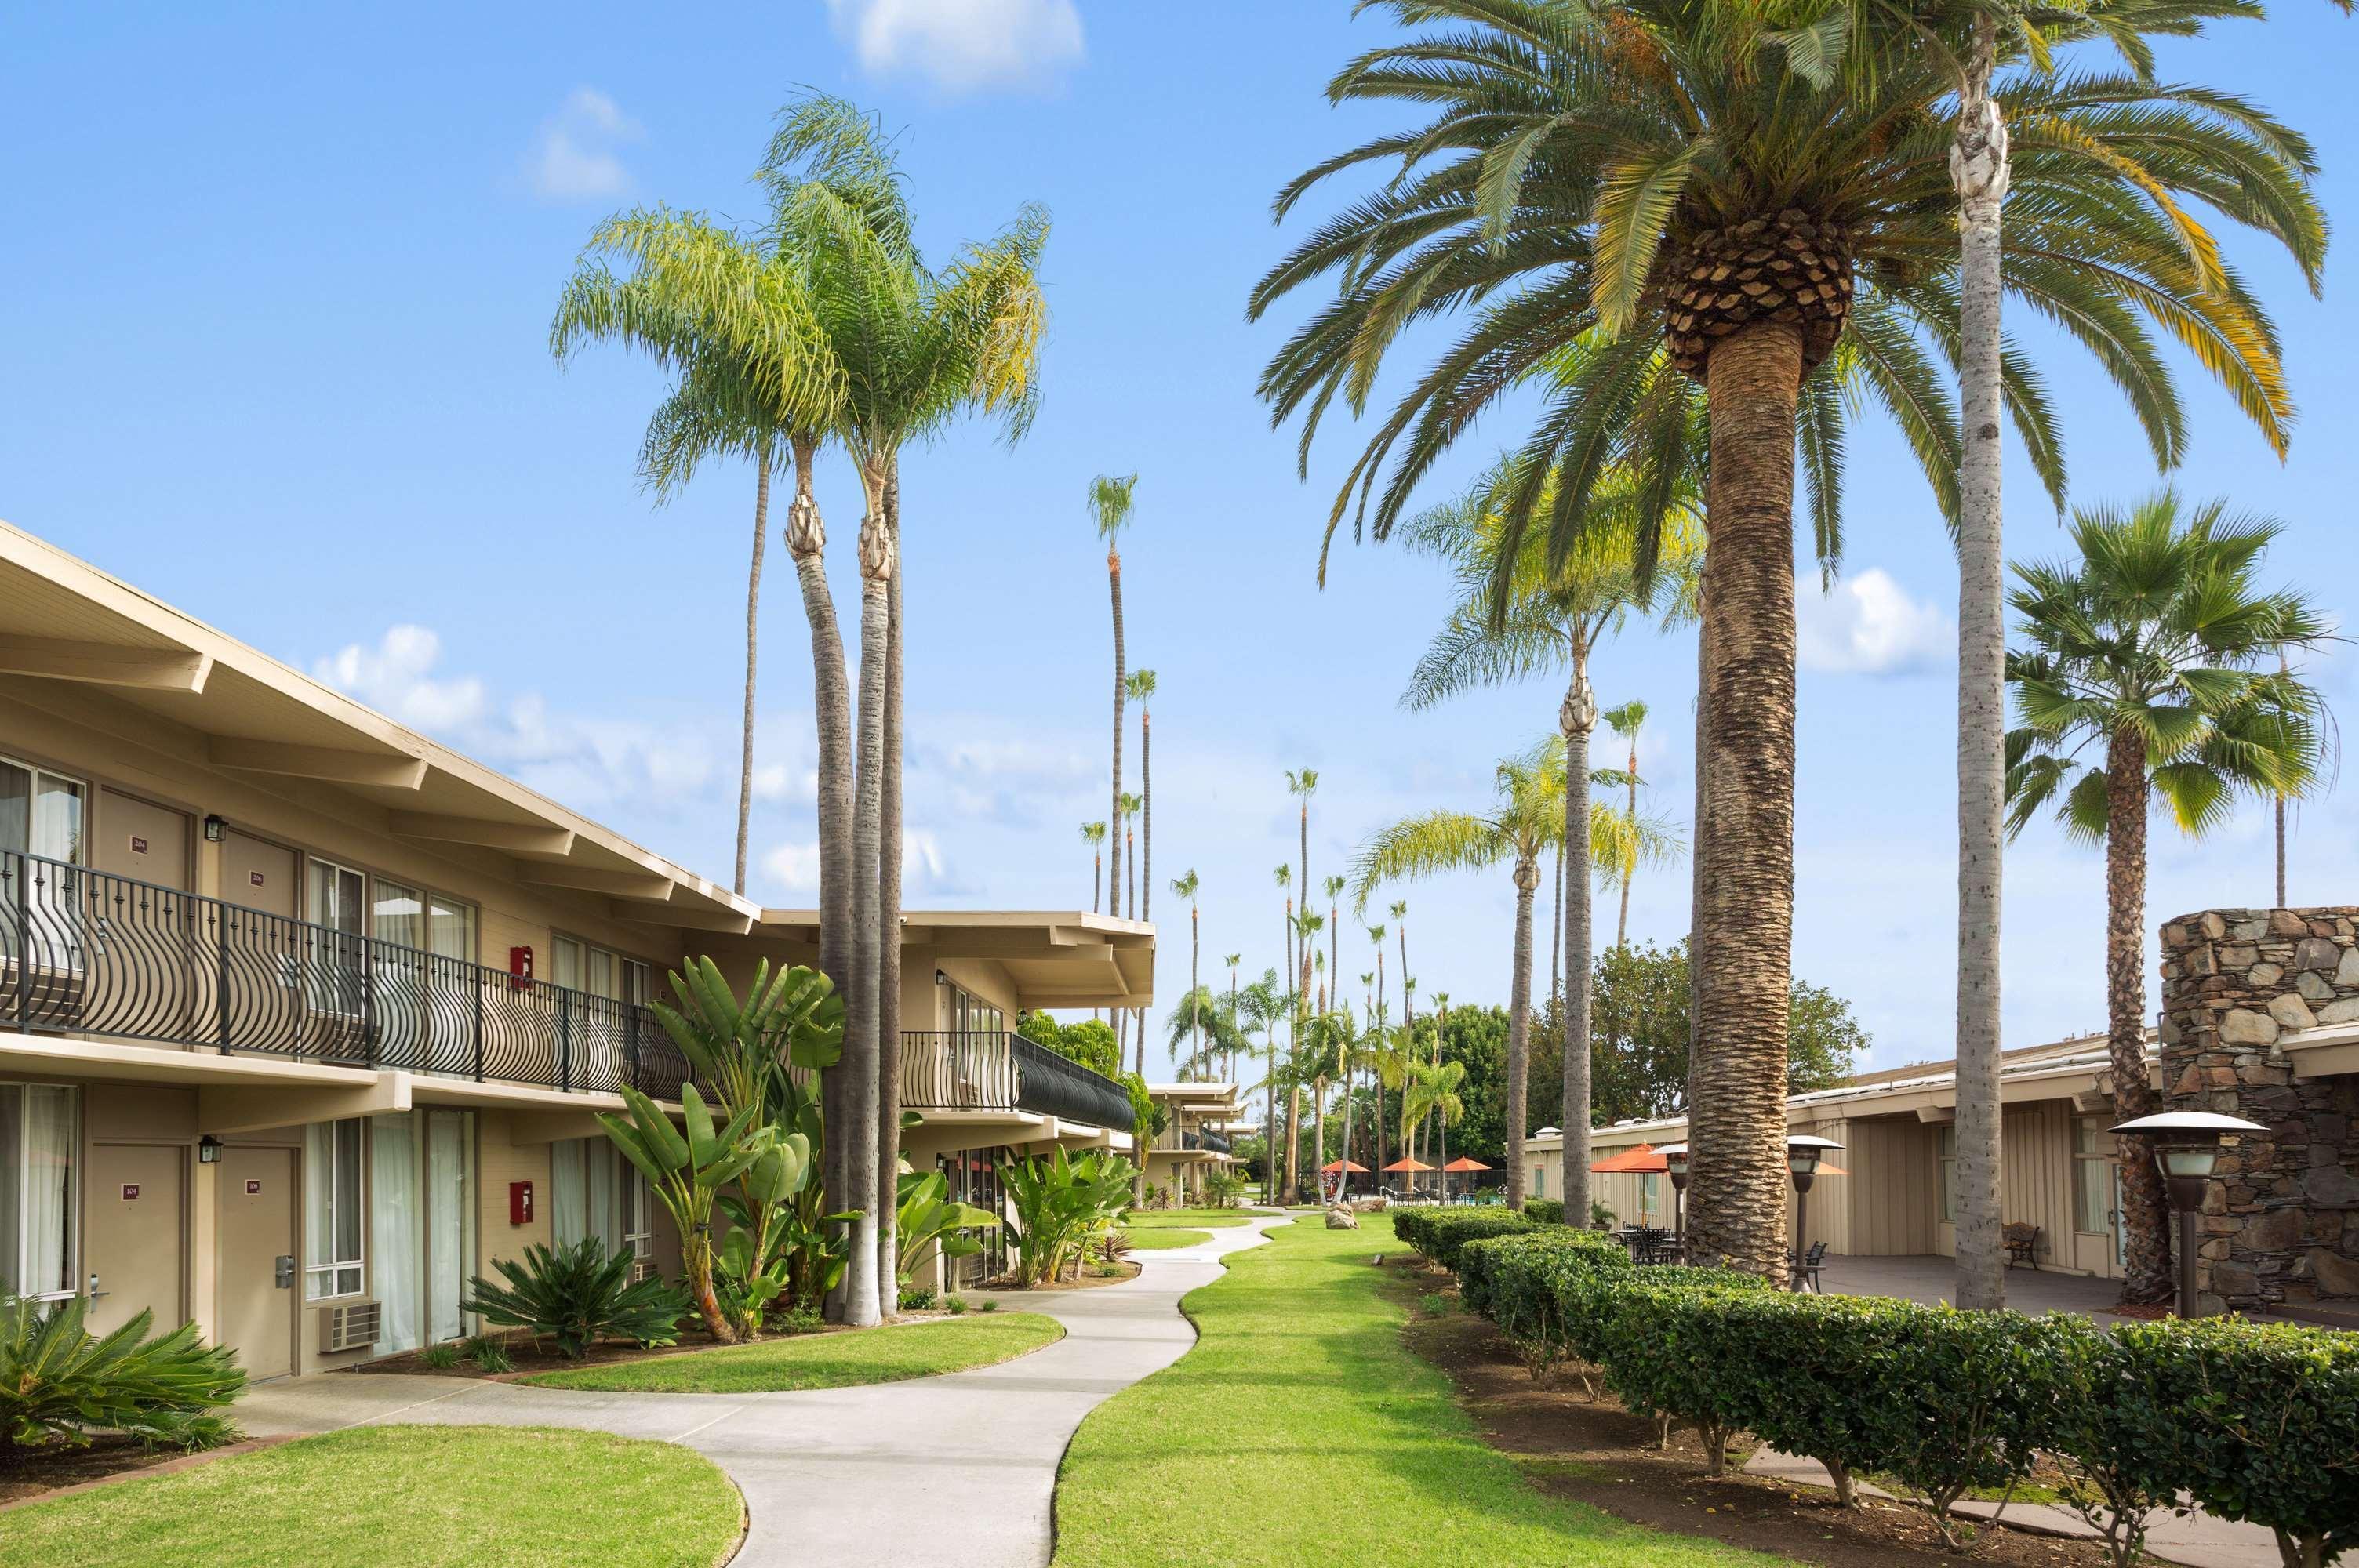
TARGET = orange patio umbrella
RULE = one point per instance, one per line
(1406, 1164)
(1332, 1166)
(1639, 1159)
(1463, 1163)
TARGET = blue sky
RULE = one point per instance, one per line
(281, 281)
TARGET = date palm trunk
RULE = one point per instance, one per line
(2145, 1219)
(1978, 166)
(1577, 717)
(1736, 1210)
(753, 627)
(1699, 877)
(862, 1036)
(888, 932)
(1146, 860)
(1519, 1028)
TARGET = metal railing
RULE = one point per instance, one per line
(85, 952)
(1212, 1142)
(956, 1069)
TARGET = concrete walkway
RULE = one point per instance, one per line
(951, 1470)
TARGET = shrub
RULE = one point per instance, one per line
(1657, 1334)
(2115, 1466)
(1224, 1189)
(1440, 1233)
(489, 1354)
(439, 1357)
(954, 1304)
(1060, 1203)
(1500, 1276)
(2259, 1424)
(1435, 1304)
(803, 1318)
(914, 1300)
(59, 1382)
(1544, 1211)
(578, 1295)
(991, 1303)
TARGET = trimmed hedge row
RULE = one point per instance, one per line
(1439, 1233)
(2257, 1423)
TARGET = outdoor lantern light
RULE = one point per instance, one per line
(209, 1150)
(2186, 1150)
(1675, 1165)
(214, 829)
(1804, 1151)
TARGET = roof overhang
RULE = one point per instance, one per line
(1055, 959)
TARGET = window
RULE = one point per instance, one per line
(594, 1191)
(1650, 1190)
(970, 1014)
(41, 815)
(1539, 1179)
(2092, 1175)
(332, 1210)
(1949, 1154)
(336, 967)
(40, 1131)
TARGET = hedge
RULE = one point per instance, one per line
(1544, 1211)
(1440, 1233)
(2258, 1423)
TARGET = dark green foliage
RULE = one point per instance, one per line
(1439, 1233)
(439, 1357)
(2259, 1424)
(1544, 1211)
(1089, 1041)
(489, 1354)
(1665, 1352)
(1501, 1277)
(59, 1383)
(578, 1295)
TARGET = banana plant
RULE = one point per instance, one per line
(687, 1170)
(754, 1264)
(925, 1212)
(739, 1050)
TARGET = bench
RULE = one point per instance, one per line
(2022, 1240)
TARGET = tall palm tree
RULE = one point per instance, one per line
(1142, 690)
(1110, 510)
(1307, 926)
(1093, 834)
(1125, 862)
(1259, 1007)
(1185, 886)
(1511, 621)
(1335, 887)
(1669, 171)
(1230, 1074)
(1627, 721)
(2149, 678)
(918, 347)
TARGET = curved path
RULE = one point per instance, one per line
(959, 1469)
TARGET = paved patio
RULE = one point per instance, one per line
(1932, 1279)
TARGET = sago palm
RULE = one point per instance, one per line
(1686, 175)
(2147, 678)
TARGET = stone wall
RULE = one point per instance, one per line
(2281, 1222)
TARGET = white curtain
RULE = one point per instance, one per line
(393, 1215)
(49, 1207)
(604, 1205)
(568, 1194)
(451, 1210)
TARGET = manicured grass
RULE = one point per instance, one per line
(824, 1360)
(1157, 1237)
(1193, 1218)
(1301, 1430)
(425, 1497)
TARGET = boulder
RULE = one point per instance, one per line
(1342, 1219)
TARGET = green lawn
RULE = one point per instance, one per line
(824, 1360)
(425, 1497)
(1301, 1430)
(1156, 1237)
(1193, 1218)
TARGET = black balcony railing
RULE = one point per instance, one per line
(1211, 1142)
(996, 1070)
(84, 952)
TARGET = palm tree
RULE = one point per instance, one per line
(1514, 620)
(1328, 1041)
(1335, 887)
(1260, 1006)
(1527, 817)
(1110, 507)
(917, 347)
(1626, 721)
(1432, 1092)
(1126, 866)
(1686, 176)
(2157, 646)
(1094, 834)
(1232, 960)
(1142, 687)
(1307, 926)
(1185, 887)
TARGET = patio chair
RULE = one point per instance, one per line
(2022, 1240)
(1806, 1270)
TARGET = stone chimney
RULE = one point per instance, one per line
(2258, 1004)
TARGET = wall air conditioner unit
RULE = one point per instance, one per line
(349, 1325)
(643, 1268)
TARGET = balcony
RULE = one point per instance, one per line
(945, 1070)
(1211, 1142)
(84, 953)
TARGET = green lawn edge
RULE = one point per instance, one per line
(1162, 1237)
(893, 1354)
(1188, 1218)
(1301, 1429)
(424, 1497)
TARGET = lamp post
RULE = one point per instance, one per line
(2187, 1150)
(1803, 1153)
(1675, 1165)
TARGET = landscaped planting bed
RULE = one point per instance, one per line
(887, 1354)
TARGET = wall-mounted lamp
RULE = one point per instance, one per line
(941, 978)
(214, 829)
(209, 1150)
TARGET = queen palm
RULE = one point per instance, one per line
(2149, 678)
(1669, 171)
(1512, 620)
(1525, 819)
(1432, 1091)
(1624, 722)
(918, 347)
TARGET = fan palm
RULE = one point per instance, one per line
(1624, 722)
(1553, 616)
(1229, 1074)
(1141, 685)
(918, 348)
(1185, 886)
(1669, 171)
(1525, 819)
(1110, 504)
(1093, 834)
(2149, 678)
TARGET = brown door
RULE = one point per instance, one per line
(137, 1248)
(146, 946)
(260, 875)
(256, 991)
(140, 840)
(259, 1280)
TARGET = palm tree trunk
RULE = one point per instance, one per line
(862, 1024)
(888, 932)
(1556, 932)
(1270, 1188)
(1195, 1005)
(1576, 717)
(753, 626)
(2146, 1221)
(1519, 1032)
(1629, 871)
(1146, 862)
(1697, 878)
(2283, 667)
(1114, 813)
(1319, 1137)
(1978, 166)
(1737, 1193)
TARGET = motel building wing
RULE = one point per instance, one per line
(305, 1018)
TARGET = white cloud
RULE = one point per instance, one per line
(1869, 625)
(396, 678)
(794, 867)
(574, 157)
(963, 45)
(925, 869)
